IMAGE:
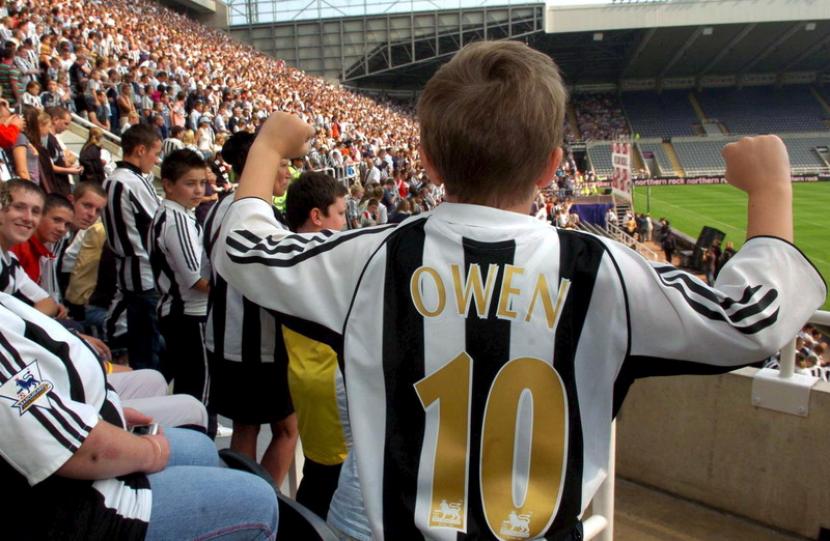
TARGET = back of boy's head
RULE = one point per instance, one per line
(235, 150)
(311, 190)
(56, 200)
(15, 185)
(136, 136)
(179, 163)
(490, 119)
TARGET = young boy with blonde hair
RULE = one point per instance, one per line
(485, 352)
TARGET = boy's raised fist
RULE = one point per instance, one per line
(757, 163)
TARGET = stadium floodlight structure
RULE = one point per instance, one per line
(352, 40)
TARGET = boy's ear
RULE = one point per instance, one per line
(166, 185)
(314, 216)
(547, 176)
(431, 171)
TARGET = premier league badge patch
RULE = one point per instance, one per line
(26, 388)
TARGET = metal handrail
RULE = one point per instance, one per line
(87, 124)
(628, 240)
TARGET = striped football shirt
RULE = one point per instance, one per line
(131, 204)
(486, 352)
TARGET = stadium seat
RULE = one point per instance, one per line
(667, 114)
(786, 109)
(296, 521)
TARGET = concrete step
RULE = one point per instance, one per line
(675, 161)
(646, 514)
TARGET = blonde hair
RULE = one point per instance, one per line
(188, 137)
(490, 119)
(96, 136)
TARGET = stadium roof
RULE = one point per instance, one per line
(630, 43)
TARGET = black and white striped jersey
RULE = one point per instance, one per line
(237, 328)
(53, 392)
(15, 281)
(131, 204)
(49, 274)
(484, 351)
(176, 257)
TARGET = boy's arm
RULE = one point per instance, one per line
(761, 298)
(282, 136)
(760, 167)
(310, 277)
(183, 251)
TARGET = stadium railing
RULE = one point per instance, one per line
(620, 235)
(87, 124)
(785, 390)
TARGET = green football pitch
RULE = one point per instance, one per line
(723, 207)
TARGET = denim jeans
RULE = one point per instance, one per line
(196, 497)
(143, 342)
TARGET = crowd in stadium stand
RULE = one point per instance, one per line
(123, 63)
(812, 354)
(599, 117)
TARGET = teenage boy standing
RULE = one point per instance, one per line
(175, 254)
(131, 204)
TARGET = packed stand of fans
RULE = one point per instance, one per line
(599, 117)
(812, 354)
(119, 64)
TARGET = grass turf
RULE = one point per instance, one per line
(721, 206)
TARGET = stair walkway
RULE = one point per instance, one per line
(675, 161)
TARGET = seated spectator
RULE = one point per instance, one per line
(20, 216)
(63, 160)
(10, 126)
(90, 158)
(92, 477)
(25, 153)
(38, 255)
(172, 143)
(402, 212)
(370, 216)
(31, 98)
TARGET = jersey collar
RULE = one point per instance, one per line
(177, 207)
(482, 216)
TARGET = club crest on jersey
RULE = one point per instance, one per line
(26, 388)
(447, 514)
(516, 526)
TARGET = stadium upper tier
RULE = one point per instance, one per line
(660, 115)
(701, 156)
(764, 109)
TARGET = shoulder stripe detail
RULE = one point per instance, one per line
(184, 240)
(302, 256)
(717, 313)
(673, 273)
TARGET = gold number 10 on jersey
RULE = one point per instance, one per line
(515, 506)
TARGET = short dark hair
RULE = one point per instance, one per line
(310, 191)
(13, 184)
(177, 130)
(57, 111)
(235, 150)
(56, 200)
(179, 163)
(136, 136)
(83, 188)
